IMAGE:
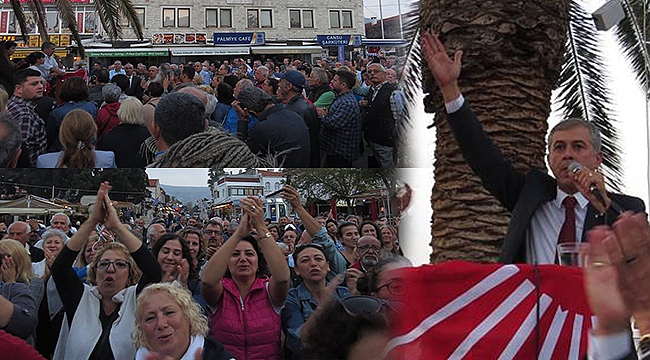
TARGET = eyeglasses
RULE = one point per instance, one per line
(212, 232)
(367, 247)
(118, 264)
(362, 305)
(396, 287)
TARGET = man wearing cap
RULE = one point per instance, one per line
(280, 133)
(290, 90)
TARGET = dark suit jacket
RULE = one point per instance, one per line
(135, 89)
(522, 194)
(36, 254)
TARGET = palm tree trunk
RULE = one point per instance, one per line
(512, 55)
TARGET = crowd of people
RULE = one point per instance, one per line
(241, 113)
(243, 288)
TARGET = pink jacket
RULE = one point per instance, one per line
(248, 328)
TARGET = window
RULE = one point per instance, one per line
(294, 19)
(176, 17)
(267, 186)
(277, 186)
(140, 13)
(266, 18)
(259, 18)
(301, 18)
(225, 17)
(347, 19)
(169, 17)
(341, 19)
(211, 18)
(218, 18)
(307, 19)
(184, 17)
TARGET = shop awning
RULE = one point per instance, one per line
(22, 53)
(127, 52)
(278, 49)
(210, 50)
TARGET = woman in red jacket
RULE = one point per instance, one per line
(245, 303)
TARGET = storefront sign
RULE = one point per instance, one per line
(336, 40)
(184, 38)
(252, 38)
(211, 51)
(127, 53)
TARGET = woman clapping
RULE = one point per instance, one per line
(245, 303)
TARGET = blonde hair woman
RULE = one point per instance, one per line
(169, 306)
(17, 267)
(78, 134)
(125, 139)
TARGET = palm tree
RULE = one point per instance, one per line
(515, 54)
(110, 12)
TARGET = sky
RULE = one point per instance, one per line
(629, 110)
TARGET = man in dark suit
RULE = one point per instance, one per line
(135, 87)
(20, 231)
(378, 119)
(535, 200)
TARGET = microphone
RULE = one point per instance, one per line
(574, 167)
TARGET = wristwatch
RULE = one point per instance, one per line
(267, 235)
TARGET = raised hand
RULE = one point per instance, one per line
(352, 275)
(602, 284)
(255, 208)
(183, 271)
(444, 70)
(8, 269)
(583, 178)
(98, 215)
(291, 195)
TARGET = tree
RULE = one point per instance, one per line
(110, 14)
(213, 176)
(341, 184)
(515, 53)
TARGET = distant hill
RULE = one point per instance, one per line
(187, 193)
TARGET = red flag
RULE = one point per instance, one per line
(333, 208)
(462, 310)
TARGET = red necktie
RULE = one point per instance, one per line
(568, 230)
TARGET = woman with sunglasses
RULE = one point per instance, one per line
(244, 302)
(362, 330)
(305, 299)
(100, 318)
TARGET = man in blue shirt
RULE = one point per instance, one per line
(340, 134)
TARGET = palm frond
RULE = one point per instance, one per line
(36, 6)
(126, 7)
(583, 87)
(20, 17)
(109, 14)
(410, 80)
(67, 14)
(631, 38)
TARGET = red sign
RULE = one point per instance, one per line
(3, 22)
(80, 21)
(462, 310)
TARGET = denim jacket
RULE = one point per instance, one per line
(299, 306)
